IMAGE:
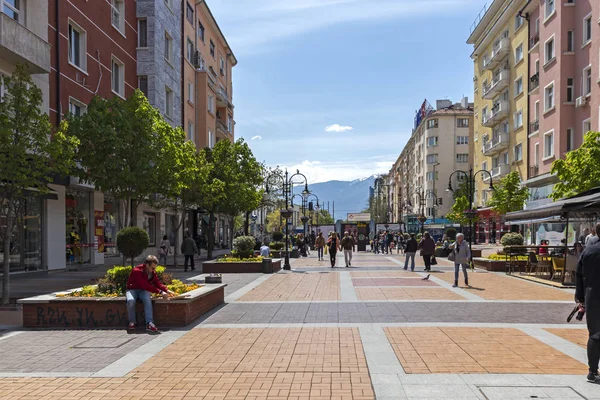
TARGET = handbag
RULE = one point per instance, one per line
(433, 261)
(452, 255)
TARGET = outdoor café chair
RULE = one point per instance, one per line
(558, 265)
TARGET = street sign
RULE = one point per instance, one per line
(359, 217)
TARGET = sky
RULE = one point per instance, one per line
(330, 87)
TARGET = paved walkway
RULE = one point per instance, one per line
(365, 332)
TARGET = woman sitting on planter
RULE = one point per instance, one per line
(143, 281)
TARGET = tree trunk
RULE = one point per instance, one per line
(232, 225)
(6, 267)
(211, 236)
(247, 223)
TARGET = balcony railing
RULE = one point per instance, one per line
(496, 145)
(534, 170)
(500, 171)
(534, 40)
(499, 52)
(534, 82)
(498, 84)
(534, 126)
(499, 112)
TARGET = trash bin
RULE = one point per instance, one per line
(267, 266)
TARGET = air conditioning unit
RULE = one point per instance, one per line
(580, 102)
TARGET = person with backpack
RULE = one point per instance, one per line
(163, 250)
(348, 246)
(334, 245)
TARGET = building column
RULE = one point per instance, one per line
(97, 256)
(55, 231)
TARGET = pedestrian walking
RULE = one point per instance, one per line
(334, 245)
(348, 246)
(593, 237)
(427, 247)
(163, 250)
(587, 295)
(410, 251)
(320, 244)
(462, 257)
(189, 250)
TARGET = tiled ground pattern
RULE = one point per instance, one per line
(492, 286)
(395, 293)
(296, 287)
(381, 274)
(577, 336)
(473, 350)
(391, 281)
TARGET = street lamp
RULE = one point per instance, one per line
(470, 186)
(420, 194)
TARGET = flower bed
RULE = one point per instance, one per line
(231, 266)
(494, 265)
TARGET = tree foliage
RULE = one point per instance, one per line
(579, 171)
(324, 218)
(132, 241)
(30, 155)
(457, 215)
(509, 194)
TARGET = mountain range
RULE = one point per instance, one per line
(349, 196)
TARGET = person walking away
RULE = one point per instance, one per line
(462, 257)
(389, 238)
(142, 282)
(189, 249)
(427, 247)
(320, 244)
(163, 250)
(375, 245)
(348, 246)
(410, 251)
(587, 295)
(334, 246)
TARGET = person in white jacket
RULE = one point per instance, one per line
(462, 256)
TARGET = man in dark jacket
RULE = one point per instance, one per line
(143, 281)
(411, 250)
(587, 294)
(189, 250)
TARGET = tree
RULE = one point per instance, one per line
(579, 171)
(30, 155)
(462, 189)
(324, 218)
(274, 221)
(457, 215)
(509, 194)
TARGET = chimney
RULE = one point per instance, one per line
(464, 102)
(440, 104)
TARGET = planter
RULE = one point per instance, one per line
(213, 267)
(49, 311)
(494, 265)
(475, 253)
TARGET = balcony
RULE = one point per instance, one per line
(18, 45)
(534, 170)
(499, 112)
(499, 52)
(222, 127)
(223, 97)
(534, 41)
(500, 171)
(496, 145)
(534, 82)
(534, 126)
(499, 83)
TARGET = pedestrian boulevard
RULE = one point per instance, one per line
(371, 331)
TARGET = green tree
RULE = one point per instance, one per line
(457, 215)
(462, 190)
(509, 194)
(30, 155)
(324, 218)
(579, 171)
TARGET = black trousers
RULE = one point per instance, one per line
(592, 316)
(427, 260)
(191, 258)
(332, 254)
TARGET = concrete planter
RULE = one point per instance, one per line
(494, 265)
(214, 267)
(49, 311)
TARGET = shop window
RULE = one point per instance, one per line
(150, 227)
(78, 210)
(111, 218)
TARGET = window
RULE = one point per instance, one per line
(549, 8)
(484, 166)
(462, 158)
(189, 53)
(432, 123)
(168, 47)
(536, 111)
(518, 119)
(548, 144)
(518, 21)
(587, 81)
(142, 33)
(190, 131)
(518, 152)
(168, 102)
(189, 13)
(211, 104)
(570, 90)
(536, 154)
(519, 53)
(150, 227)
(211, 138)
(432, 141)
(462, 140)
(201, 31)
(587, 126)
(462, 123)
(229, 124)
(518, 86)
(118, 77)
(549, 97)
(12, 8)
(190, 92)
(587, 29)
(222, 66)
(430, 176)
(549, 47)
(432, 158)
(143, 84)
(76, 107)
(212, 49)
(570, 139)
(118, 15)
(570, 41)
(77, 46)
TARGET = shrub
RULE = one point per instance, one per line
(118, 276)
(502, 257)
(277, 236)
(132, 242)
(243, 246)
(451, 233)
(276, 245)
(512, 239)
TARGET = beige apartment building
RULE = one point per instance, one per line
(440, 144)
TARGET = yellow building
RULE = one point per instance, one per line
(499, 37)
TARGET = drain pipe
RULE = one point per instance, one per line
(57, 47)
(528, 119)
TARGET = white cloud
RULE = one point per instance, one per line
(338, 128)
(346, 170)
(257, 137)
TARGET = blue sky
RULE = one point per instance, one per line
(331, 86)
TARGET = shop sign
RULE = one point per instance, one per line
(99, 231)
(359, 217)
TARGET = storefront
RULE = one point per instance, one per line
(111, 226)
(79, 234)
(490, 226)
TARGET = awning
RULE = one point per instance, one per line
(555, 218)
(587, 203)
(49, 195)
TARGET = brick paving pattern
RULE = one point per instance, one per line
(394, 293)
(380, 274)
(392, 282)
(577, 336)
(296, 287)
(473, 350)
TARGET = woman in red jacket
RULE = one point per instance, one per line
(143, 281)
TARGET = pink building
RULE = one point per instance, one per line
(564, 86)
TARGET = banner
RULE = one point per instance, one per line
(355, 217)
(99, 231)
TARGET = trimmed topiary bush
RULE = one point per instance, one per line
(277, 236)
(512, 239)
(451, 233)
(243, 246)
(132, 242)
(276, 245)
